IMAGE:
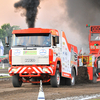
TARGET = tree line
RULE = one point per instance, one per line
(6, 30)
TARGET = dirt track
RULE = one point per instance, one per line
(30, 92)
(3, 70)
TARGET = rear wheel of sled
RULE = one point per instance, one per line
(94, 75)
(70, 81)
(55, 80)
(34, 79)
(16, 80)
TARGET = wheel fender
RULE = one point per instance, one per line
(55, 65)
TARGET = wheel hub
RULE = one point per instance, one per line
(58, 79)
(72, 80)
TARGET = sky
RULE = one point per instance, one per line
(9, 15)
(51, 14)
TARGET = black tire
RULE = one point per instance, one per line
(55, 80)
(16, 80)
(94, 75)
(94, 79)
(71, 81)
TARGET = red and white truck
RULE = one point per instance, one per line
(42, 54)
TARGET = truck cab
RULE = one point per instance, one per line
(94, 45)
(29, 47)
(94, 39)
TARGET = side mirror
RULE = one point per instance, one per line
(7, 41)
(57, 39)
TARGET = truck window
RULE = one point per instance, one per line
(95, 36)
(36, 40)
(53, 41)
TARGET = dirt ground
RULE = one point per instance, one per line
(30, 92)
(3, 70)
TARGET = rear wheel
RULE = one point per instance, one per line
(34, 79)
(94, 75)
(55, 80)
(94, 79)
(16, 80)
(71, 81)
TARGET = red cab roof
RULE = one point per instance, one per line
(36, 30)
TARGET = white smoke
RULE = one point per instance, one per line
(53, 14)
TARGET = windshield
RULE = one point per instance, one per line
(95, 36)
(36, 40)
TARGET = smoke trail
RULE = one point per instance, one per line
(54, 15)
(31, 10)
(82, 12)
(70, 16)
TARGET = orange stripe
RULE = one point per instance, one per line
(68, 44)
(54, 52)
(64, 36)
(64, 74)
(72, 62)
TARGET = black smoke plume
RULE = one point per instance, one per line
(31, 10)
(82, 12)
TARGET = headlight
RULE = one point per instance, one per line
(45, 69)
(14, 70)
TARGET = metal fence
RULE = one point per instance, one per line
(4, 67)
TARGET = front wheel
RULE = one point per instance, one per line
(71, 81)
(55, 80)
(16, 80)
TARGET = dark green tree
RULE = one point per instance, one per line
(6, 30)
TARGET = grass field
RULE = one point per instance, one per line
(4, 77)
(3, 68)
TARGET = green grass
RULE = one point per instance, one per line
(5, 76)
(4, 73)
(4, 68)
